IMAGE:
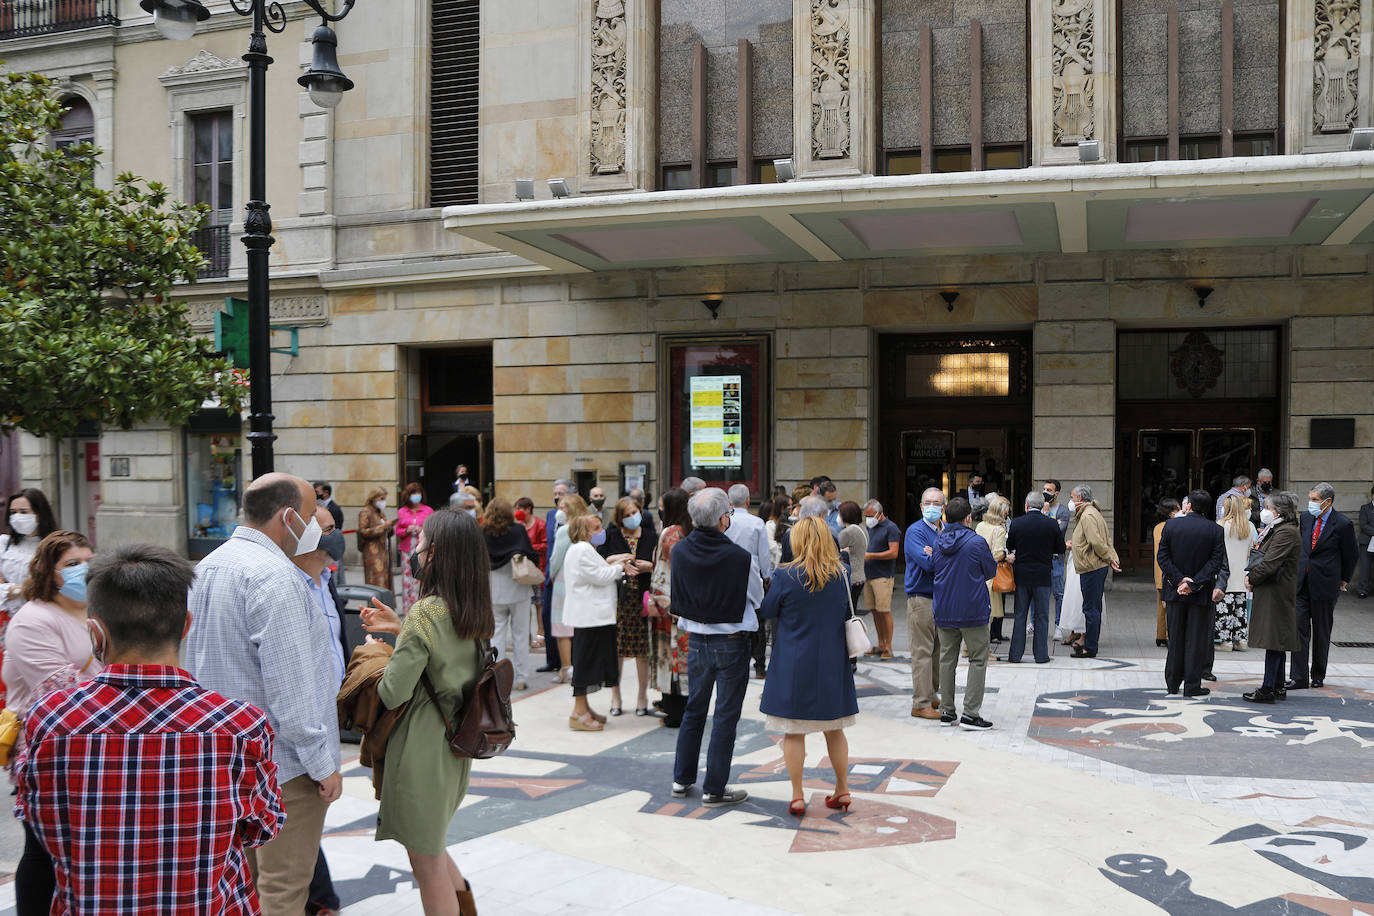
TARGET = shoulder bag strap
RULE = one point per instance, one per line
(848, 593)
(429, 689)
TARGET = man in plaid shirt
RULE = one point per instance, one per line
(143, 786)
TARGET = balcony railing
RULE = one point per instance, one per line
(213, 242)
(22, 18)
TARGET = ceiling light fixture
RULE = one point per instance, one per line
(1202, 293)
(713, 306)
(949, 295)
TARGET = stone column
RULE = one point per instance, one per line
(833, 64)
(1328, 81)
(1073, 438)
(1330, 376)
(617, 118)
(1074, 75)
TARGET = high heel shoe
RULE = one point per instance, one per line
(563, 675)
(833, 801)
(466, 905)
(797, 808)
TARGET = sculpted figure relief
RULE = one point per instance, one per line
(1072, 39)
(609, 38)
(1335, 65)
(830, 112)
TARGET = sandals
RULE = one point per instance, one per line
(467, 906)
(563, 674)
(617, 711)
(644, 711)
(833, 801)
(587, 723)
(885, 655)
(537, 642)
(797, 808)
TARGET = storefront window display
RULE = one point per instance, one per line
(718, 394)
(214, 482)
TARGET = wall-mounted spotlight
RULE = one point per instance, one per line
(1202, 293)
(1089, 150)
(524, 189)
(713, 306)
(1361, 139)
(784, 169)
(949, 295)
(558, 187)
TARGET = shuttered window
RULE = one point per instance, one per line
(455, 37)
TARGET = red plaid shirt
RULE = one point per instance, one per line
(145, 788)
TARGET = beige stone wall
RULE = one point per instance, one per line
(1074, 420)
(149, 506)
(1331, 374)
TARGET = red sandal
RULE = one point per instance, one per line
(833, 801)
(797, 808)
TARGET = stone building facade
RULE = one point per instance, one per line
(946, 281)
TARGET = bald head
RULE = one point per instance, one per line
(279, 505)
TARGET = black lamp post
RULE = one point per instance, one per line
(177, 19)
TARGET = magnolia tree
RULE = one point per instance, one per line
(89, 330)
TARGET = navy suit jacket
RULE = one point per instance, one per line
(1332, 561)
(1037, 540)
(1193, 547)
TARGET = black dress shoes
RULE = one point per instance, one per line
(1171, 689)
(1295, 685)
(1280, 693)
(1263, 695)
(1209, 676)
(1196, 691)
(1080, 652)
(544, 669)
(1318, 682)
(1161, 643)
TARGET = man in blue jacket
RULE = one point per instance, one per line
(920, 591)
(963, 565)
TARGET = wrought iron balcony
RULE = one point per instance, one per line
(213, 242)
(22, 18)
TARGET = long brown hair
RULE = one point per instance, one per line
(498, 517)
(815, 552)
(42, 582)
(457, 572)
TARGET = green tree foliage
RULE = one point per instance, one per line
(89, 329)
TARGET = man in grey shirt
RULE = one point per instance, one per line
(748, 531)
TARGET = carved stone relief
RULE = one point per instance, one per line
(610, 34)
(290, 311)
(1072, 33)
(830, 84)
(1335, 65)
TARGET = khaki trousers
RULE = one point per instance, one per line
(976, 639)
(924, 641)
(282, 868)
(1161, 624)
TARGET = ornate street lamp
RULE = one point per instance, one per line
(177, 19)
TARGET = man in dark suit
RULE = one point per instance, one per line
(552, 662)
(1192, 552)
(1326, 567)
(1362, 539)
(1035, 540)
(324, 495)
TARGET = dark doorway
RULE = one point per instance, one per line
(951, 406)
(456, 421)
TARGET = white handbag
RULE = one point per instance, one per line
(525, 571)
(855, 633)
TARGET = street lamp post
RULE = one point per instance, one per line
(177, 19)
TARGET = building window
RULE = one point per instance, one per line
(457, 379)
(958, 375)
(676, 178)
(1253, 145)
(765, 172)
(78, 124)
(722, 174)
(455, 43)
(904, 162)
(214, 478)
(1231, 364)
(954, 160)
(1004, 157)
(1156, 149)
(212, 184)
(1147, 150)
(1199, 148)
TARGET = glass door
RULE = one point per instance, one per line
(928, 461)
(1224, 455)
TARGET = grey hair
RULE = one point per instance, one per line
(693, 484)
(978, 507)
(1083, 492)
(1325, 491)
(874, 505)
(1285, 503)
(707, 506)
(937, 491)
(1241, 481)
(1265, 472)
(456, 500)
(739, 495)
(1035, 500)
(567, 484)
(812, 507)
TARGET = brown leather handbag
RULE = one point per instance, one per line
(1005, 580)
(485, 726)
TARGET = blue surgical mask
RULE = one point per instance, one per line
(415, 499)
(931, 513)
(74, 583)
(1314, 508)
(598, 539)
(632, 521)
(472, 512)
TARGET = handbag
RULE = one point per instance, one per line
(1005, 580)
(1255, 558)
(486, 725)
(525, 571)
(855, 633)
(10, 726)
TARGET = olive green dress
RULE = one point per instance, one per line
(423, 783)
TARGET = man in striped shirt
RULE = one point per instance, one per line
(143, 786)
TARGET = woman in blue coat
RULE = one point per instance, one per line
(810, 686)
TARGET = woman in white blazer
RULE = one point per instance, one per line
(589, 603)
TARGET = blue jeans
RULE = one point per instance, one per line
(720, 663)
(1037, 596)
(1057, 584)
(1092, 584)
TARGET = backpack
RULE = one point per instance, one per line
(485, 724)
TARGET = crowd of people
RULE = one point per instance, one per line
(698, 590)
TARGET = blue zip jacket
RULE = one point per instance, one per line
(920, 568)
(963, 566)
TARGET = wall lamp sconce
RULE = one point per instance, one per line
(949, 295)
(713, 306)
(1202, 293)
(1089, 150)
(1361, 139)
(784, 170)
(524, 189)
(558, 187)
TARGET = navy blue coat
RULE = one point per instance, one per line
(809, 675)
(1333, 561)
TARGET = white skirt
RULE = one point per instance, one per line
(1071, 617)
(806, 726)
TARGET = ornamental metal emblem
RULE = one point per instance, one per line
(1196, 364)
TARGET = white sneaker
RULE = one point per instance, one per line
(1242, 645)
(1058, 634)
(679, 790)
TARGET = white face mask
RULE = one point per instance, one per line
(1267, 517)
(871, 521)
(381, 505)
(307, 540)
(560, 517)
(24, 523)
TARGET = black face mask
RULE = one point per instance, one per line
(1266, 487)
(415, 566)
(1049, 497)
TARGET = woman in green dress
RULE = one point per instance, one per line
(444, 636)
